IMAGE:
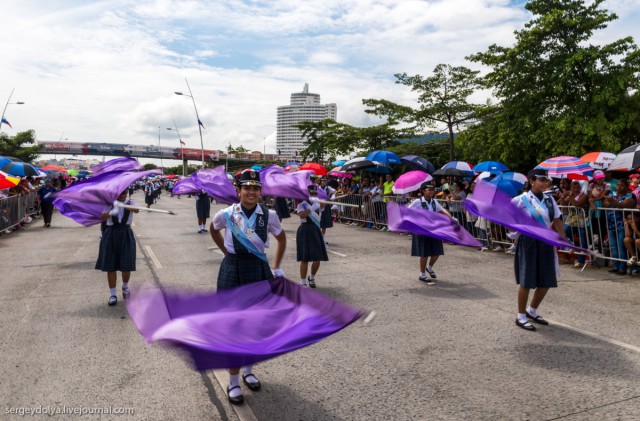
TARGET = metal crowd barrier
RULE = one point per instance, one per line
(14, 209)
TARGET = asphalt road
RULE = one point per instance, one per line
(445, 352)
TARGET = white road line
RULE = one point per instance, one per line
(330, 251)
(153, 257)
(597, 336)
(243, 411)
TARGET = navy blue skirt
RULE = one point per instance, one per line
(282, 208)
(535, 264)
(203, 207)
(117, 249)
(237, 270)
(310, 244)
(326, 219)
(423, 246)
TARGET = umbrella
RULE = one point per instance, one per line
(72, 172)
(515, 176)
(627, 160)
(340, 174)
(54, 167)
(384, 157)
(360, 163)
(454, 172)
(380, 169)
(339, 163)
(490, 166)
(291, 168)
(562, 166)
(410, 181)
(4, 160)
(256, 167)
(599, 160)
(21, 169)
(509, 187)
(485, 175)
(417, 163)
(458, 165)
(7, 181)
(315, 167)
(292, 163)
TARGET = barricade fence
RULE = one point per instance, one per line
(14, 209)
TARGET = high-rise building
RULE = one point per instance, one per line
(304, 106)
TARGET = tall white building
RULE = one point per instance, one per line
(304, 107)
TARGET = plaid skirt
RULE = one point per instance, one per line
(423, 246)
(310, 244)
(535, 264)
(203, 207)
(117, 250)
(326, 219)
(282, 208)
(237, 270)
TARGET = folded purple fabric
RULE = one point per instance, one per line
(85, 201)
(240, 326)
(489, 202)
(432, 224)
(213, 181)
(118, 164)
(186, 186)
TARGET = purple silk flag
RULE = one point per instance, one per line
(432, 224)
(213, 181)
(240, 326)
(119, 164)
(278, 183)
(85, 201)
(490, 203)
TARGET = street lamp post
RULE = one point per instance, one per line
(181, 150)
(197, 116)
(160, 151)
(6, 105)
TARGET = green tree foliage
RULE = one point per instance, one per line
(16, 146)
(149, 166)
(442, 98)
(436, 151)
(559, 94)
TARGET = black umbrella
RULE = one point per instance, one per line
(417, 163)
(358, 164)
(454, 172)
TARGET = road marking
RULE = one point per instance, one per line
(153, 257)
(243, 411)
(597, 336)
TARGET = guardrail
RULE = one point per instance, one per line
(14, 209)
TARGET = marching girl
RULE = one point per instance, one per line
(309, 239)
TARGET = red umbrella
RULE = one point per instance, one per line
(55, 168)
(315, 167)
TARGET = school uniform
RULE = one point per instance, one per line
(118, 244)
(282, 208)
(326, 219)
(309, 241)
(149, 194)
(203, 205)
(536, 261)
(422, 245)
(245, 239)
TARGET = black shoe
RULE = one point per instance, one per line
(113, 300)
(538, 319)
(423, 279)
(431, 273)
(251, 385)
(238, 400)
(526, 325)
(126, 293)
(312, 282)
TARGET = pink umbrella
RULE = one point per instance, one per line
(410, 181)
(340, 174)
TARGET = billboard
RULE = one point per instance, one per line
(121, 149)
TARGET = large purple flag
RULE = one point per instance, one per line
(490, 203)
(432, 224)
(119, 164)
(278, 183)
(213, 181)
(85, 201)
(240, 326)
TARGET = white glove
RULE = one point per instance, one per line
(116, 208)
(278, 273)
(313, 199)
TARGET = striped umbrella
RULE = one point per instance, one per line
(562, 166)
(485, 175)
(7, 181)
(458, 165)
(599, 160)
(515, 176)
(627, 160)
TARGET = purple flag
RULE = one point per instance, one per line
(278, 183)
(240, 326)
(490, 203)
(213, 181)
(432, 224)
(85, 201)
(119, 164)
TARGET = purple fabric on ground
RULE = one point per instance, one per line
(213, 181)
(84, 201)
(119, 164)
(489, 202)
(432, 224)
(240, 326)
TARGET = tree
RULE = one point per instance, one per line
(149, 166)
(442, 98)
(558, 93)
(16, 146)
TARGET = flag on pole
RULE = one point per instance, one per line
(182, 143)
(5, 121)
(200, 123)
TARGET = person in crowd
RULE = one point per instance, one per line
(118, 246)
(326, 219)
(632, 237)
(309, 241)
(596, 192)
(454, 201)
(428, 249)
(617, 202)
(575, 223)
(203, 209)
(46, 201)
(246, 227)
(379, 208)
(634, 186)
(564, 188)
(149, 194)
(365, 195)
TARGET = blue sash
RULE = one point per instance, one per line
(314, 218)
(533, 211)
(242, 237)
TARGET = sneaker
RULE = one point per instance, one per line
(632, 261)
(126, 293)
(483, 249)
(303, 285)
(113, 300)
(423, 278)
(312, 282)
(497, 248)
(578, 265)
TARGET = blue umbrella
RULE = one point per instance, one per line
(4, 160)
(338, 163)
(291, 163)
(418, 163)
(20, 169)
(256, 167)
(508, 186)
(380, 169)
(384, 157)
(490, 166)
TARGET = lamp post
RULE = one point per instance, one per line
(197, 116)
(6, 105)
(181, 150)
(160, 151)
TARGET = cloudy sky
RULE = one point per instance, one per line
(106, 71)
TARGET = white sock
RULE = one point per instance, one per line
(522, 317)
(312, 276)
(125, 285)
(249, 370)
(429, 267)
(303, 281)
(113, 291)
(423, 275)
(234, 380)
(532, 311)
(201, 227)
